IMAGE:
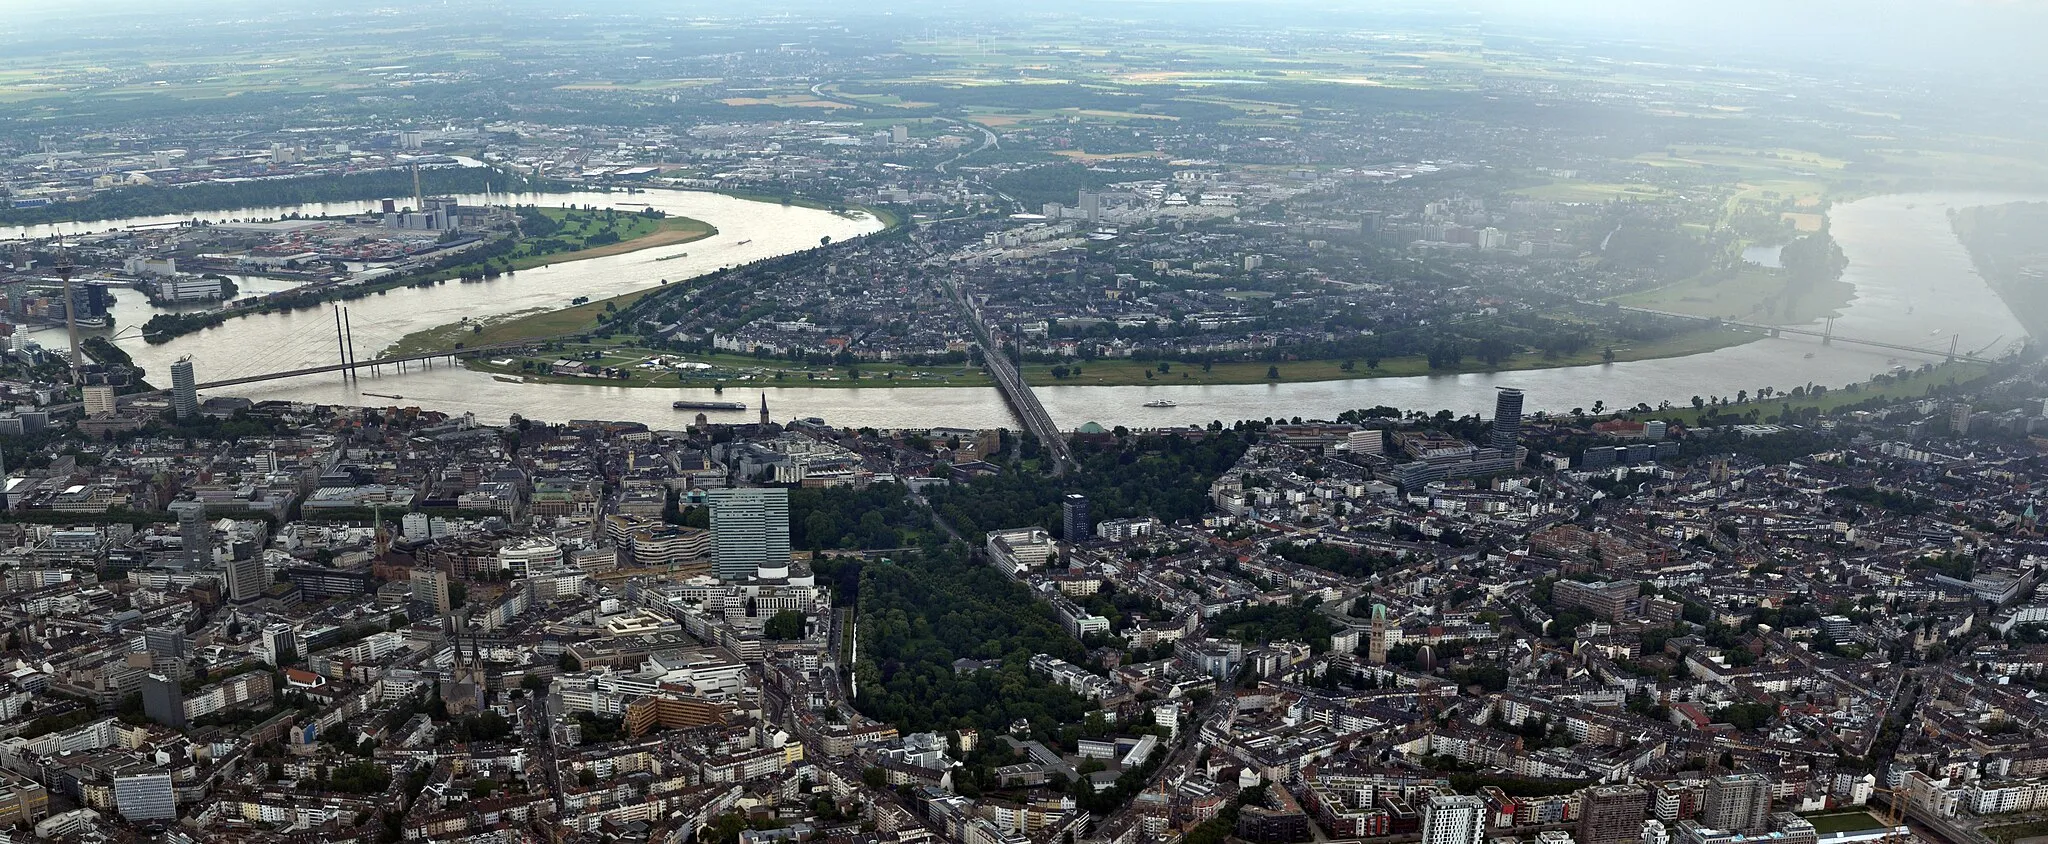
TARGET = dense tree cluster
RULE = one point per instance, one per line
(880, 516)
(921, 613)
(1166, 477)
(1257, 625)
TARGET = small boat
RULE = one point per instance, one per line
(508, 379)
(384, 395)
(744, 242)
(1162, 403)
(1809, 355)
(673, 257)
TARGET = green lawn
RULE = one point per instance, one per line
(1844, 822)
(726, 369)
(1892, 389)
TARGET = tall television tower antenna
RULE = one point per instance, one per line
(65, 269)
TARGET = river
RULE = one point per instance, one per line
(1914, 283)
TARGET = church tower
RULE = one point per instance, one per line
(764, 407)
(1377, 654)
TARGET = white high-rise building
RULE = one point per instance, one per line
(1454, 819)
(749, 532)
(430, 586)
(280, 643)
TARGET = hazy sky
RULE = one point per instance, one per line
(1964, 32)
(1990, 35)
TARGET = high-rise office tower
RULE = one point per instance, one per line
(1074, 521)
(1613, 814)
(1507, 418)
(430, 585)
(164, 641)
(247, 579)
(749, 532)
(184, 389)
(280, 645)
(195, 536)
(1454, 819)
(163, 700)
(1737, 803)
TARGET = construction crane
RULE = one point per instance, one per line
(1894, 817)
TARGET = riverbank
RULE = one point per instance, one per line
(2005, 246)
(1132, 373)
(720, 369)
(1883, 389)
(571, 235)
(624, 365)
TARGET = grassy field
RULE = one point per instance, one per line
(515, 326)
(635, 232)
(2009, 833)
(1844, 822)
(720, 369)
(1750, 295)
(1888, 388)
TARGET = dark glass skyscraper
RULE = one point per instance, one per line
(1507, 418)
(1074, 521)
(184, 389)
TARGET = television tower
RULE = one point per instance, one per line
(65, 269)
